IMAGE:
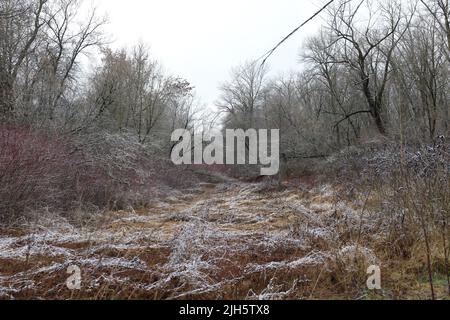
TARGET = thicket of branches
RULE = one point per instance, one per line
(374, 94)
(376, 69)
(69, 137)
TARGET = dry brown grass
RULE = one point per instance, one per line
(233, 241)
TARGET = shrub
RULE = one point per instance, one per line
(35, 171)
(96, 171)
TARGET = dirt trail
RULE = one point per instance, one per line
(214, 242)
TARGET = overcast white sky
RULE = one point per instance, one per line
(201, 40)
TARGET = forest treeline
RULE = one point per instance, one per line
(375, 71)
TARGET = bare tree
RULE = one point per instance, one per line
(367, 49)
(242, 96)
(67, 43)
(20, 24)
(336, 88)
(420, 79)
(440, 11)
(42, 41)
(293, 106)
(131, 91)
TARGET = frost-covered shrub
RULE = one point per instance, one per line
(93, 171)
(36, 170)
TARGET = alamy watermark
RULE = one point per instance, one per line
(374, 280)
(237, 147)
(73, 282)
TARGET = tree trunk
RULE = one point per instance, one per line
(376, 114)
(374, 105)
(6, 100)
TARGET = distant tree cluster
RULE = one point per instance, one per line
(41, 82)
(72, 138)
(375, 69)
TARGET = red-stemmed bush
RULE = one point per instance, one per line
(94, 171)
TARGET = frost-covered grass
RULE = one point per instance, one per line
(229, 241)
